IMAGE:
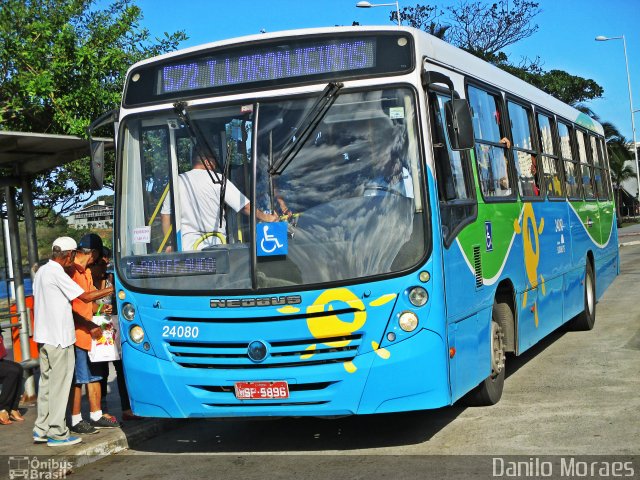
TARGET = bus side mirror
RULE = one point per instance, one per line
(97, 164)
(459, 124)
(97, 149)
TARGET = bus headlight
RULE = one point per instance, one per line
(408, 321)
(136, 333)
(128, 311)
(418, 296)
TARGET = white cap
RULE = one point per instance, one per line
(65, 243)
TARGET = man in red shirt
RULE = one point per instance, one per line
(88, 373)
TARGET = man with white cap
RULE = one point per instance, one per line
(54, 330)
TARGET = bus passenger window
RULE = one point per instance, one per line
(551, 166)
(527, 166)
(586, 170)
(596, 155)
(491, 153)
(571, 167)
(605, 193)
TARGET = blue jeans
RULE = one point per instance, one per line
(86, 370)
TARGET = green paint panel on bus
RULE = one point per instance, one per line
(502, 217)
(597, 218)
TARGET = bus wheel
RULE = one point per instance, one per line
(587, 319)
(490, 390)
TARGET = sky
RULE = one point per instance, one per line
(565, 39)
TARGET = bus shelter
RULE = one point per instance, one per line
(23, 156)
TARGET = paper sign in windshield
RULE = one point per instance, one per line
(142, 235)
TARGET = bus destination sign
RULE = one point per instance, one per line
(266, 64)
(270, 63)
(202, 263)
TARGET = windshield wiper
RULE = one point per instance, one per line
(306, 127)
(204, 151)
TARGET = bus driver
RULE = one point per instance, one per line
(200, 204)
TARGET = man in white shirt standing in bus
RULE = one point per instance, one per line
(200, 206)
(54, 329)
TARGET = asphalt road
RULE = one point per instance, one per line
(574, 394)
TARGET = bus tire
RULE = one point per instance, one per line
(587, 319)
(489, 391)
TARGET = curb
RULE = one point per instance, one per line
(119, 440)
(115, 441)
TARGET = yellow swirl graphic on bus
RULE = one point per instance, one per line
(343, 324)
(327, 326)
(531, 249)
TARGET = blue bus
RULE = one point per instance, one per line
(434, 215)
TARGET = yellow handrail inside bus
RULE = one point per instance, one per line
(222, 238)
(155, 213)
(164, 240)
(160, 202)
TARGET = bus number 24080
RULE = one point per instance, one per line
(180, 332)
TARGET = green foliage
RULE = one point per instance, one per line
(62, 64)
(486, 28)
(568, 88)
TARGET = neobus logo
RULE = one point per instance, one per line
(256, 302)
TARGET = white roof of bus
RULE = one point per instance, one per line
(437, 51)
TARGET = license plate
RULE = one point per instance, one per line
(261, 390)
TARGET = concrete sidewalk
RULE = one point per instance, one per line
(16, 439)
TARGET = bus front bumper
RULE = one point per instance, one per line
(411, 375)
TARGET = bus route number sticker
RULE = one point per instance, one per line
(180, 331)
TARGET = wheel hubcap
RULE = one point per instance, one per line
(497, 349)
(590, 295)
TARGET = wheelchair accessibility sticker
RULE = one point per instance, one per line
(271, 239)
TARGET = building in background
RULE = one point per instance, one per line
(97, 215)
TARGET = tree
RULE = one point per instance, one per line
(618, 153)
(422, 17)
(567, 88)
(485, 29)
(62, 64)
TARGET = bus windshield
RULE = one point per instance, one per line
(351, 197)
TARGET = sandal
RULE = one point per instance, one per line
(4, 418)
(16, 416)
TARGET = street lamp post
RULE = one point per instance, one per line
(369, 5)
(601, 38)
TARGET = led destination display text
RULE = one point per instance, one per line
(266, 64)
(211, 263)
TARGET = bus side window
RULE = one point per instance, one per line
(571, 167)
(454, 178)
(605, 170)
(598, 164)
(527, 166)
(552, 167)
(586, 169)
(492, 147)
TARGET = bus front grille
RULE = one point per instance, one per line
(292, 353)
